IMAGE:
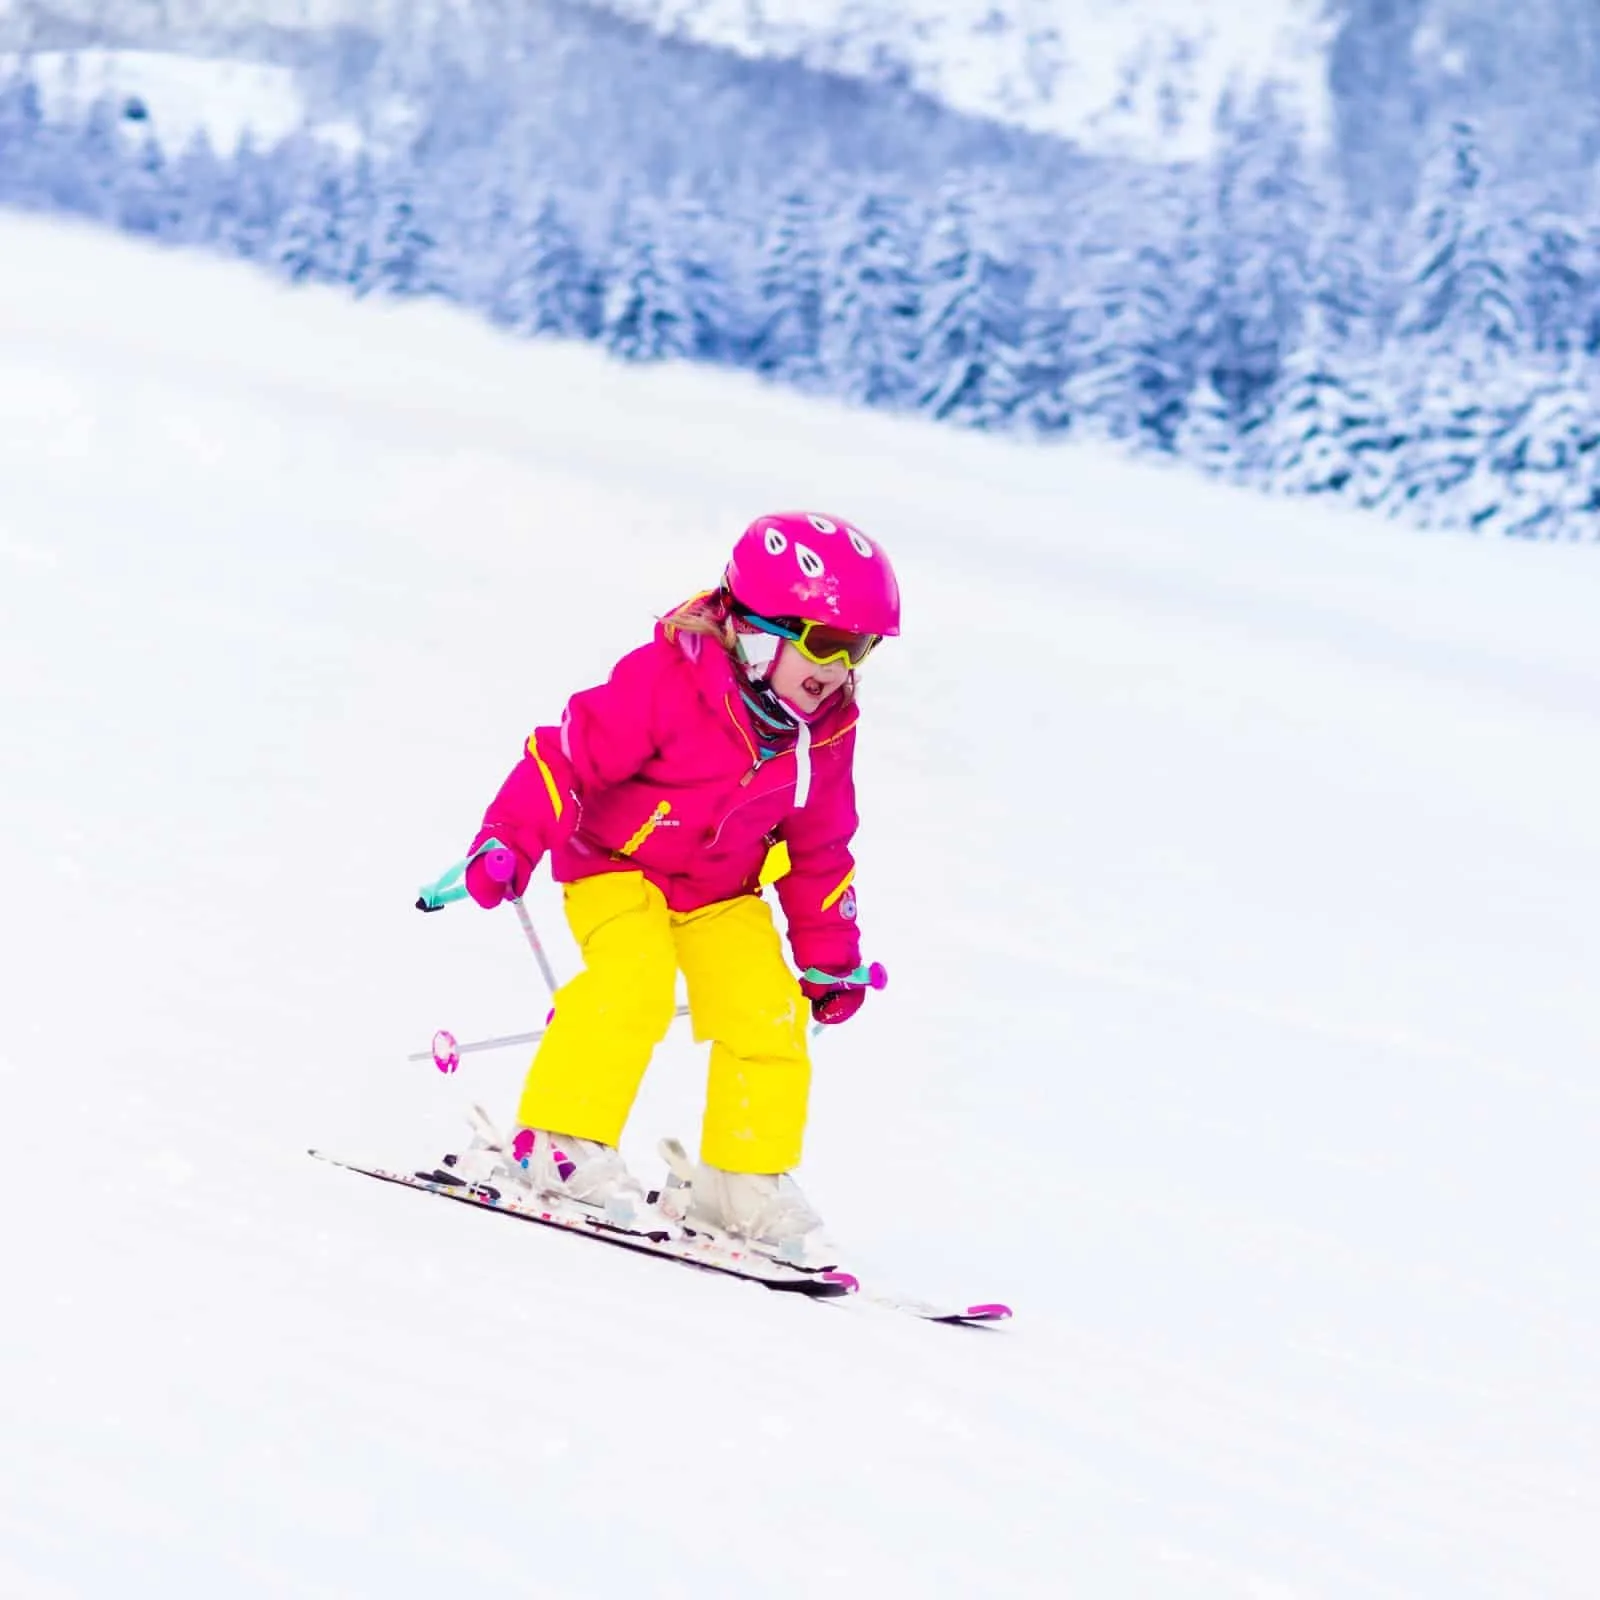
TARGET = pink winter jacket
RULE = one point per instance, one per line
(657, 771)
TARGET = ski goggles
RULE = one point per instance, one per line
(818, 642)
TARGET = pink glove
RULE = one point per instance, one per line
(497, 875)
(832, 1005)
(837, 998)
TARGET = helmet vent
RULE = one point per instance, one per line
(775, 542)
(810, 562)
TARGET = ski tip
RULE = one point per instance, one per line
(993, 1312)
(847, 1282)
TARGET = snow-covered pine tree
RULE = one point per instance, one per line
(1132, 361)
(475, 215)
(353, 238)
(1453, 415)
(869, 308)
(789, 287)
(1046, 358)
(647, 315)
(201, 181)
(1454, 291)
(250, 205)
(1158, 302)
(309, 244)
(1556, 273)
(147, 197)
(86, 182)
(1456, 344)
(1210, 434)
(402, 259)
(1324, 430)
(1082, 363)
(1061, 319)
(702, 256)
(969, 334)
(1261, 230)
(21, 137)
(1548, 455)
(546, 286)
(1077, 358)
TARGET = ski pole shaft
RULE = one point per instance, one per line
(537, 948)
(498, 1042)
(501, 865)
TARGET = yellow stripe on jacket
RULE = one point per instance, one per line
(556, 804)
(833, 898)
(652, 822)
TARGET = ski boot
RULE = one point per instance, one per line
(766, 1211)
(532, 1161)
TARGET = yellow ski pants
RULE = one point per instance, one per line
(611, 1016)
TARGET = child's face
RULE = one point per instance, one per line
(803, 683)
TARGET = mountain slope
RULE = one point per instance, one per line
(1144, 79)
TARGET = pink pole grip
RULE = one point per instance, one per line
(877, 976)
(501, 865)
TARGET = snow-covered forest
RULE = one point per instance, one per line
(1406, 319)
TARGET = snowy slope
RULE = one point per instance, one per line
(1235, 865)
(1137, 77)
(1141, 77)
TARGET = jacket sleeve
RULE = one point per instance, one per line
(606, 734)
(818, 892)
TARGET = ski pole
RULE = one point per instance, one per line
(446, 1053)
(501, 865)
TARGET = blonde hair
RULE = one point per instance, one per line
(705, 614)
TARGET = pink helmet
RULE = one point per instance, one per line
(816, 568)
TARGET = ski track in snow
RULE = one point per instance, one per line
(1235, 862)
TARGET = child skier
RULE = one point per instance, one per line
(658, 799)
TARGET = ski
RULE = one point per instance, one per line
(700, 1250)
(697, 1251)
(964, 1316)
(680, 1181)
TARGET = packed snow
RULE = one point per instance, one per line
(1234, 864)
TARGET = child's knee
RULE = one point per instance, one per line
(767, 1023)
(636, 998)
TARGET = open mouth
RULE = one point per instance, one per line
(814, 687)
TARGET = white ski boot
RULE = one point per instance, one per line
(591, 1174)
(766, 1210)
(556, 1166)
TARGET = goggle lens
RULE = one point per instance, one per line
(816, 641)
(819, 643)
